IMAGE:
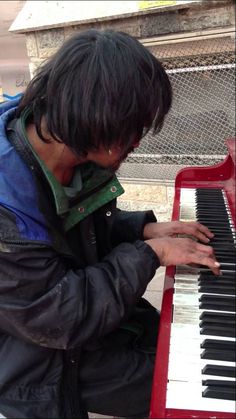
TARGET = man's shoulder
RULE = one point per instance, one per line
(8, 104)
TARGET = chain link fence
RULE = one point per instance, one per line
(202, 117)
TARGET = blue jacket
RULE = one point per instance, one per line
(58, 294)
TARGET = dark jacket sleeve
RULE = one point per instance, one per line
(128, 225)
(44, 302)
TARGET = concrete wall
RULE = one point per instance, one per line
(149, 26)
(146, 196)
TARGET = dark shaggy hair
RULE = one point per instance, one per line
(101, 88)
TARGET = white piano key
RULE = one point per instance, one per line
(183, 360)
(188, 331)
(187, 315)
(189, 396)
(186, 300)
(195, 292)
(191, 349)
(192, 372)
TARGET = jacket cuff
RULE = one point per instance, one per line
(146, 249)
(149, 217)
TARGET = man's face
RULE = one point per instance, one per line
(112, 158)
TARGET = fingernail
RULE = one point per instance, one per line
(217, 264)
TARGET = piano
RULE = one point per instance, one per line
(194, 375)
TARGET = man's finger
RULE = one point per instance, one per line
(205, 230)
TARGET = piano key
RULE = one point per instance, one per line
(209, 287)
(193, 399)
(217, 217)
(191, 315)
(189, 299)
(192, 270)
(218, 302)
(186, 316)
(219, 392)
(191, 348)
(221, 383)
(221, 289)
(194, 354)
(217, 298)
(218, 354)
(230, 276)
(226, 256)
(186, 332)
(218, 344)
(219, 370)
(225, 318)
(218, 330)
(193, 371)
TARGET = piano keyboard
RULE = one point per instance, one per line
(202, 369)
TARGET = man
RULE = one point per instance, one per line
(76, 335)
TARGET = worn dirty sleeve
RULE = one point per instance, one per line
(43, 301)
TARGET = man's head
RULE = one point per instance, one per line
(101, 90)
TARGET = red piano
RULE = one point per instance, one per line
(194, 373)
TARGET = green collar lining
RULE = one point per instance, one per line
(99, 187)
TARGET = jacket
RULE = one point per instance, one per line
(70, 273)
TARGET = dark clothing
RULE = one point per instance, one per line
(71, 273)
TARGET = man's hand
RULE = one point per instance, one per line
(172, 228)
(184, 251)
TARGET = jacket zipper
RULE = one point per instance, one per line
(72, 391)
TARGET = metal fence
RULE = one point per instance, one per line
(202, 116)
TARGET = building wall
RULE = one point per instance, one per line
(174, 34)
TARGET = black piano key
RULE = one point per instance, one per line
(204, 220)
(217, 392)
(224, 267)
(223, 345)
(211, 213)
(221, 289)
(217, 282)
(201, 207)
(211, 316)
(217, 240)
(202, 198)
(221, 236)
(221, 229)
(218, 330)
(211, 305)
(211, 224)
(226, 252)
(212, 192)
(222, 383)
(215, 306)
(218, 355)
(226, 247)
(225, 258)
(219, 299)
(230, 276)
(219, 370)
